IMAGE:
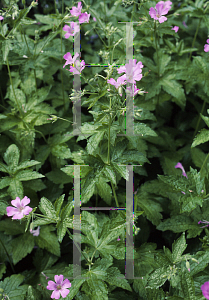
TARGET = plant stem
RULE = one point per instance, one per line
(198, 122)
(8, 256)
(20, 111)
(204, 163)
(195, 38)
(108, 151)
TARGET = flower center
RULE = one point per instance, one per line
(20, 208)
(59, 287)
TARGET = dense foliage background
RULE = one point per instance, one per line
(38, 151)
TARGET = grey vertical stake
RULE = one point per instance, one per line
(76, 224)
(77, 227)
(129, 260)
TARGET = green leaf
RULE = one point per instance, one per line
(187, 285)
(201, 138)
(12, 288)
(58, 204)
(175, 89)
(25, 175)
(5, 182)
(75, 286)
(47, 208)
(114, 278)
(12, 155)
(144, 130)
(150, 207)
(48, 240)
(104, 190)
(33, 294)
(61, 151)
(93, 142)
(22, 246)
(158, 277)
(12, 227)
(88, 189)
(66, 210)
(178, 247)
(121, 170)
(59, 177)
(61, 230)
(95, 289)
(108, 171)
(27, 164)
(15, 189)
(3, 207)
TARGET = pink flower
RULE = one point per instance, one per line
(71, 30)
(160, 9)
(206, 47)
(205, 289)
(76, 11)
(206, 222)
(20, 208)
(176, 28)
(1, 18)
(79, 67)
(69, 59)
(60, 287)
(120, 81)
(84, 18)
(179, 165)
(135, 90)
(118, 239)
(133, 70)
(35, 232)
(94, 19)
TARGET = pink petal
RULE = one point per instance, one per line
(58, 279)
(64, 292)
(51, 285)
(25, 201)
(55, 294)
(16, 202)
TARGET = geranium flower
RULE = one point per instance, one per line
(176, 28)
(120, 81)
(60, 287)
(84, 18)
(132, 70)
(20, 208)
(135, 90)
(205, 289)
(76, 11)
(71, 30)
(69, 59)
(79, 66)
(179, 165)
(1, 18)
(206, 47)
(35, 232)
(160, 9)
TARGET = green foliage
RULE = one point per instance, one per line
(41, 155)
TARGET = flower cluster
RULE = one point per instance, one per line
(72, 61)
(132, 74)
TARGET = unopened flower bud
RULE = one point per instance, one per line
(188, 266)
